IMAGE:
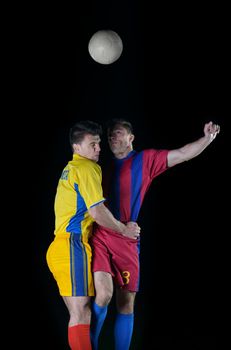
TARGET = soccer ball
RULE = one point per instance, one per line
(105, 46)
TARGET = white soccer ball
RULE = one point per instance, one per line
(105, 46)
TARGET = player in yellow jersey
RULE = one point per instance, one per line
(79, 202)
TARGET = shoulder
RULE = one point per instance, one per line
(155, 155)
(154, 151)
(84, 165)
(149, 152)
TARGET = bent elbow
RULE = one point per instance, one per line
(95, 212)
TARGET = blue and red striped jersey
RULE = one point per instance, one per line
(125, 181)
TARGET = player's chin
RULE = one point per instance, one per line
(113, 147)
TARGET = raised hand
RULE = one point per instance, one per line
(211, 130)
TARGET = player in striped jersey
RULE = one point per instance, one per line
(116, 258)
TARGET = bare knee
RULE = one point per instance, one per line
(125, 301)
(103, 297)
(79, 310)
(103, 288)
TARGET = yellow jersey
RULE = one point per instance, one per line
(79, 188)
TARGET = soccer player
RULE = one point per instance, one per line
(116, 258)
(78, 203)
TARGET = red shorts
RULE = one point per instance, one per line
(117, 255)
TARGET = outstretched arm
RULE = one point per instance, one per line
(193, 149)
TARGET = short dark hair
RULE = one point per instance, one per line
(111, 124)
(83, 127)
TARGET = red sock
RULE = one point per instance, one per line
(79, 337)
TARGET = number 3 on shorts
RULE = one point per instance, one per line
(126, 276)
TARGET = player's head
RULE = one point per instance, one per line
(85, 139)
(120, 136)
(111, 124)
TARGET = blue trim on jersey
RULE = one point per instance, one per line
(75, 222)
(136, 185)
(93, 205)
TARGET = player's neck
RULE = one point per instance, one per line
(124, 154)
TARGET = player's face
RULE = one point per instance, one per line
(120, 140)
(89, 147)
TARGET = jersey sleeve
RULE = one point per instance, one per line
(156, 161)
(90, 184)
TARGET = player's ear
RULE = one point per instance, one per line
(132, 137)
(76, 147)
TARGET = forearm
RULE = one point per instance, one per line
(193, 149)
(188, 151)
(105, 218)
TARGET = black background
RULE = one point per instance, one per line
(172, 77)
